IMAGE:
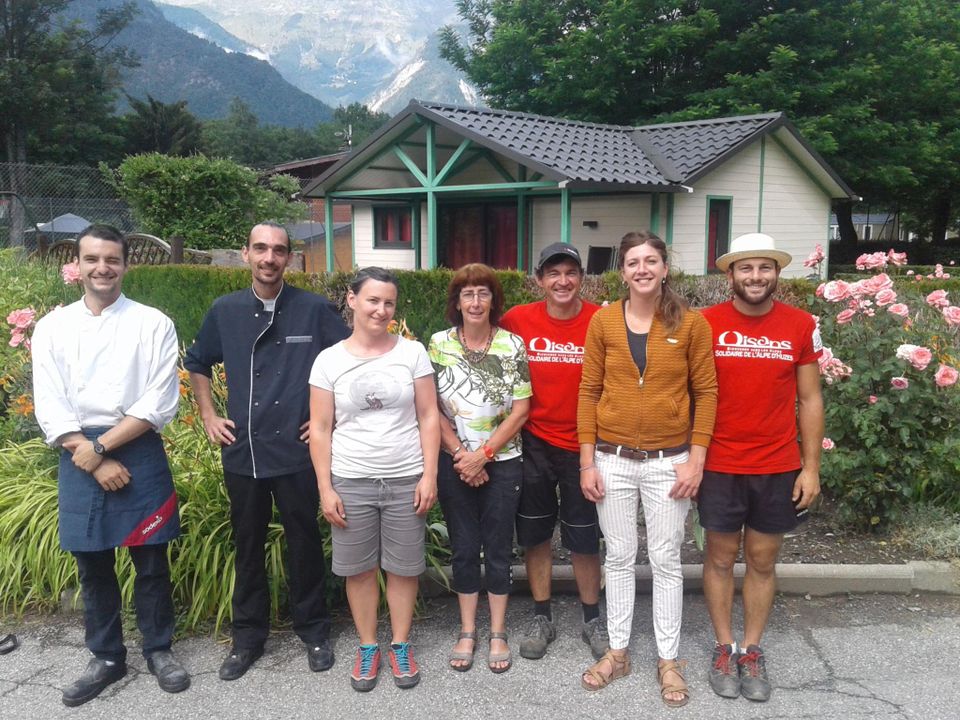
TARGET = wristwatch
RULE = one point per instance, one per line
(98, 448)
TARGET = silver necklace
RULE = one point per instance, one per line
(474, 356)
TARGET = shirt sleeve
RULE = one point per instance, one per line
(703, 380)
(812, 347)
(207, 349)
(591, 381)
(55, 415)
(318, 373)
(161, 396)
(522, 389)
(422, 366)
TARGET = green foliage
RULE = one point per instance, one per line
(893, 446)
(211, 203)
(57, 82)
(240, 137)
(154, 126)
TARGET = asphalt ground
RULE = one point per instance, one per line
(845, 656)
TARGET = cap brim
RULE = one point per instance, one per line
(561, 256)
(781, 258)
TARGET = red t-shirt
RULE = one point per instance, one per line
(757, 360)
(555, 355)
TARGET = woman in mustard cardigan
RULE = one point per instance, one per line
(644, 356)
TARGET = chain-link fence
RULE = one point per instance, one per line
(40, 204)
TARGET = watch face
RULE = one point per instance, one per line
(98, 448)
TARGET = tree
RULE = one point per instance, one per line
(873, 84)
(154, 126)
(210, 203)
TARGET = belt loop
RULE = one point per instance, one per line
(619, 448)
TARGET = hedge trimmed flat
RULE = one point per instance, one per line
(619, 667)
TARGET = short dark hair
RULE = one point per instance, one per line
(372, 273)
(474, 274)
(102, 231)
(271, 224)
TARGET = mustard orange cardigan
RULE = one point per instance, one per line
(613, 404)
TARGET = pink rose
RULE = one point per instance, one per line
(899, 309)
(17, 337)
(816, 257)
(946, 376)
(819, 292)
(886, 297)
(909, 272)
(836, 290)
(938, 299)
(951, 313)
(872, 285)
(916, 355)
(872, 399)
(70, 272)
(896, 258)
(899, 383)
(22, 318)
(845, 316)
(828, 444)
(872, 261)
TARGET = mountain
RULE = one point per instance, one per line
(198, 24)
(177, 65)
(350, 51)
(428, 77)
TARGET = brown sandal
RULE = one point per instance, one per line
(494, 659)
(681, 687)
(620, 667)
(464, 657)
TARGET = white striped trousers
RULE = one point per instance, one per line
(628, 482)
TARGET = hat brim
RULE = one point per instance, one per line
(781, 258)
(558, 257)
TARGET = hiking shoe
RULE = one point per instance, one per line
(406, 674)
(754, 684)
(594, 634)
(365, 668)
(537, 634)
(724, 672)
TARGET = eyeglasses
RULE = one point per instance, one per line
(468, 296)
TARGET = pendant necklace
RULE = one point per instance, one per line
(474, 356)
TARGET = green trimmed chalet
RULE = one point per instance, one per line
(441, 185)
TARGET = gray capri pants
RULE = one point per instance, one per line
(383, 528)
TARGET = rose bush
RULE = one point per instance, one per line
(891, 397)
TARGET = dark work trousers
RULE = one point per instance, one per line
(481, 519)
(251, 510)
(101, 600)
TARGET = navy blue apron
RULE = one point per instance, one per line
(144, 512)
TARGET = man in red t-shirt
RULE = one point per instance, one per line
(554, 331)
(757, 480)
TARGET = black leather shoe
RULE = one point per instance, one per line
(171, 677)
(238, 662)
(9, 644)
(93, 681)
(320, 656)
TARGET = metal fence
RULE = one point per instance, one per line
(35, 198)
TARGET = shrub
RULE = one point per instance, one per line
(892, 405)
(210, 203)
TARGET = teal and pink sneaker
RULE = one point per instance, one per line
(365, 668)
(406, 673)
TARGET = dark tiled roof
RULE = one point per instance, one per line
(588, 152)
(591, 152)
(692, 147)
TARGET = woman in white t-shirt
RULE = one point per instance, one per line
(374, 441)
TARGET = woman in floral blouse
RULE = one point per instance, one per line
(483, 385)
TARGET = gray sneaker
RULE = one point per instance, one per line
(724, 672)
(754, 684)
(537, 634)
(595, 635)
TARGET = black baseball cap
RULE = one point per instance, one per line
(559, 251)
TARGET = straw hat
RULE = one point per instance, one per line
(753, 245)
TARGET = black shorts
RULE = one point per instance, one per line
(546, 468)
(763, 503)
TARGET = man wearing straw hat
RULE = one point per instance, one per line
(758, 482)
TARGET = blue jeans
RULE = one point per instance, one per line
(481, 519)
(101, 601)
